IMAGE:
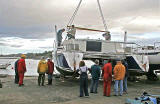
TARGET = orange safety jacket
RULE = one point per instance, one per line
(119, 72)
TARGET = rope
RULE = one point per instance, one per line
(100, 9)
(76, 10)
(74, 14)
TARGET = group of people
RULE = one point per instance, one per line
(120, 75)
(44, 67)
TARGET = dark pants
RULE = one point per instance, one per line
(41, 77)
(0, 84)
(83, 84)
(94, 85)
(59, 43)
(50, 79)
(70, 36)
(16, 78)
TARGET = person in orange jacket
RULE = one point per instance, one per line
(50, 70)
(119, 73)
(21, 69)
(107, 78)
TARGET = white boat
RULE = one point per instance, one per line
(68, 55)
(4, 66)
(5, 62)
(153, 54)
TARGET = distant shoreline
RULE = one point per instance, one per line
(35, 56)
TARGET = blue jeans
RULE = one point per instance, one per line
(50, 76)
(125, 84)
(83, 84)
(94, 85)
(118, 82)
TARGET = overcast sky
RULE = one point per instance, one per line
(28, 25)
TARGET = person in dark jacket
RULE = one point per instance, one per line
(83, 79)
(50, 70)
(16, 72)
(59, 36)
(95, 72)
(126, 76)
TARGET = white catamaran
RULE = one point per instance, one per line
(71, 51)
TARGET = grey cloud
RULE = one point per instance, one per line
(15, 46)
(34, 19)
(45, 47)
(3, 44)
(10, 45)
(147, 41)
(29, 35)
(33, 40)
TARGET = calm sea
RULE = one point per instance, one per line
(31, 66)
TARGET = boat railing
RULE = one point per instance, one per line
(132, 48)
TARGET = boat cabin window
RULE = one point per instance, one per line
(72, 47)
(62, 61)
(93, 46)
(150, 47)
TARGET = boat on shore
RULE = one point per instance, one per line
(4, 66)
(70, 52)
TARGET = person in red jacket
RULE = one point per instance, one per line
(50, 71)
(21, 69)
(107, 78)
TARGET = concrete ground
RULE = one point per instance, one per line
(67, 92)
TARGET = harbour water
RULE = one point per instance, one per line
(31, 66)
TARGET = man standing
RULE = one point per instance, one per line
(42, 69)
(71, 33)
(59, 36)
(21, 69)
(107, 36)
(50, 71)
(107, 78)
(95, 72)
(126, 77)
(119, 73)
(16, 72)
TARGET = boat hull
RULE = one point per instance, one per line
(154, 59)
(65, 72)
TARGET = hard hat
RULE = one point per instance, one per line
(23, 56)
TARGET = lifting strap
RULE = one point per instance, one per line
(74, 14)
(80, 28)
